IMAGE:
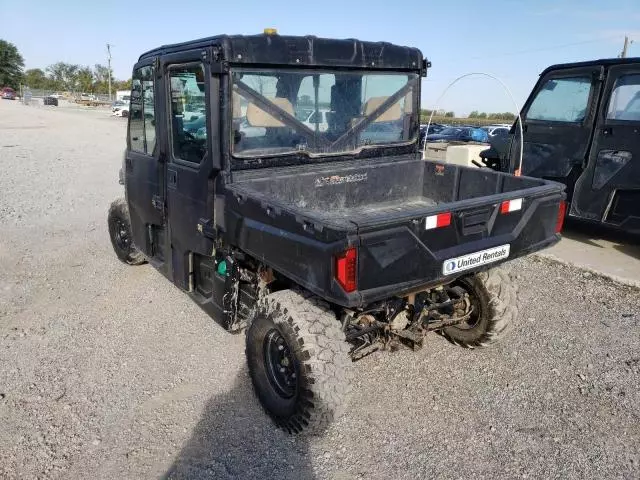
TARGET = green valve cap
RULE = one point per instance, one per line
(222, 268)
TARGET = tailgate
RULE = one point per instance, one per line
(456, 238)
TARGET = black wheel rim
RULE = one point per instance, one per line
(121, 234)
(476, 315)
(282, 370)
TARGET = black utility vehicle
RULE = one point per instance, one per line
(582, 128)
(324, 241)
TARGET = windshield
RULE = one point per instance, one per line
(319, 113)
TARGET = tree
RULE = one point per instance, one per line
(64, 75)
(11, 65)
(482, 115)
(474, 114)
(450, 115)
(85, 79)
(35, 78)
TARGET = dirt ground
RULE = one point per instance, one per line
(108, 371)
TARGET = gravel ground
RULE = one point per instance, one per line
(108, 371)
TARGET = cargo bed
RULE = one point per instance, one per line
(297, 218)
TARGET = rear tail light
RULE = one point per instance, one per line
(346, 266)
(511, 206)
(438, 221)
(562, 211)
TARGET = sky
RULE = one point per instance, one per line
(513, 40)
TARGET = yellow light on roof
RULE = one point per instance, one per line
(270, 31)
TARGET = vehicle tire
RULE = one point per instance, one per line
(298, 361)
(120, 232)
(125, 114)
(494, 299)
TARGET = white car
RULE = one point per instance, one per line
(497, 130)
(320, 117)
(120, 109)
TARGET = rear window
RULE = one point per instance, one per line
(562, 100)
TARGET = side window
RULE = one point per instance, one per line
(142, 130)
(136, 123)
(148, 109)
(625, 100)
(188, 113)
(562, 100)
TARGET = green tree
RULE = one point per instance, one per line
(64, 76)
(85, 79)
(123, 85)
(11, 65)
(482, 115)
(474, 114)
(450, 115)
(36, 78)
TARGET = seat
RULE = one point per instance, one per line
(259, 118)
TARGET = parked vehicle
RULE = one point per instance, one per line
(459, 134)
(120, 108)
(50, 100)
(497, 130)
(433, 129)
(56, 95)
(323, 246)
(320, 117)
(8, 93)
(581, 124)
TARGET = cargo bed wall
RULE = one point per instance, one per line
(367, 192)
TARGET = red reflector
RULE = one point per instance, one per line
(444, 220)
(511, 206)
(562, 211)
(346, 264)
(437, 221)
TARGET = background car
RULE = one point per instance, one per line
(8, 93)
(50, 100)
(433, 129)
(459, 134)
(120, 109)
(497, 130)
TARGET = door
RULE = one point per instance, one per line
(558, 123)
(609, 189)
(190, 174)
(143, 170)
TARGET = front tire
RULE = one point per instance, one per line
(298, 361)
(494, 300)
(119, 223)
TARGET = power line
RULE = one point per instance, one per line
(542, 49)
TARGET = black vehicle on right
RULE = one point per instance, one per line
(581, 127)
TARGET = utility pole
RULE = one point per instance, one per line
(625, 49)
(109, 68)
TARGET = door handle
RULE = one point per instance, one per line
(172, 180)
(607, 131)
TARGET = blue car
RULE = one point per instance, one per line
(459, 134)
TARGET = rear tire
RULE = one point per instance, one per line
(119, 223)
(494, 300)
(307, 385)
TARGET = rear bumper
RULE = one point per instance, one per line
(376, 294)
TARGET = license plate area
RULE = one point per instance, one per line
(475, 259)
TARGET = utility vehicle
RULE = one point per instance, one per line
(581, 127)
(324, 245)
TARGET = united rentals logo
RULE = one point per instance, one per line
(339, 180)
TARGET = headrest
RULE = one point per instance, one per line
(392, 113)
(259, 118)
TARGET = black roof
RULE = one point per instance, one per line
(605, 62)
(304, 51)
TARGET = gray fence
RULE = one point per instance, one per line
(40, 93)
